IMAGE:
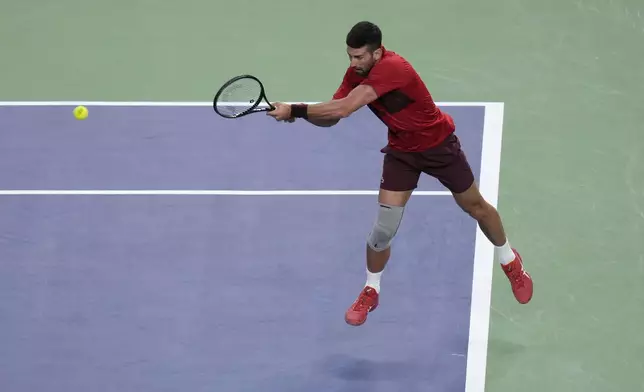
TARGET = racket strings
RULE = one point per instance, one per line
(238, 97)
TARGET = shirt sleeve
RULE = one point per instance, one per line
(387, 76)
(345, 87)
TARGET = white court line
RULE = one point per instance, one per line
(179, 103)
(109, 192)
(484, 252)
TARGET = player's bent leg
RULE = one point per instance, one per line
(398, 182)
(448, 163)
(391, 207)
(489, 220)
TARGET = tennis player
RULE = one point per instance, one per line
(421, 139)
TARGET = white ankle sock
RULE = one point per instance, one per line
(373, 280)
(505, 253)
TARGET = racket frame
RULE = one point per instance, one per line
(252, 109)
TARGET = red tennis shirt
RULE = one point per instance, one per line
(404, 104)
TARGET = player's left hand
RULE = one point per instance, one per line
(282, 112)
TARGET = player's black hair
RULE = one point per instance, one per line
(364, 33)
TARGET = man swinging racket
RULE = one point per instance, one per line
(421, 139)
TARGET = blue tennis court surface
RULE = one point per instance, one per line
(195, 284)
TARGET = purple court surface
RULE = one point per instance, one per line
(195, 285)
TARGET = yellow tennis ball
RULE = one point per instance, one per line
(80, 112)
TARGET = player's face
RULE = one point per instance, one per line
(362, 59)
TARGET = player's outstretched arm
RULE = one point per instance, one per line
(337, 109)
(282, 112)
(329, 112)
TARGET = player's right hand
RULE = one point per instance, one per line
(282, 112)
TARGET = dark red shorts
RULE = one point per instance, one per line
(446, 162)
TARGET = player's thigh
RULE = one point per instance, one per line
(398, 181)
(448, 163)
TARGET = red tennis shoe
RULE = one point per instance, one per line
(520, 280)
(367, 302)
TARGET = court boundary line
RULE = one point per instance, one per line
(483, 270)
(186, 103)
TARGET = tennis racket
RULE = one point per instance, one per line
(240, 96)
